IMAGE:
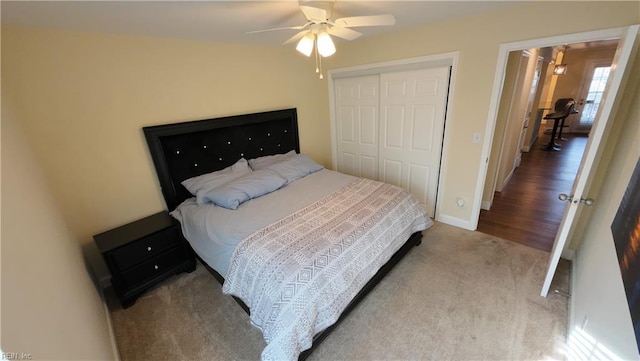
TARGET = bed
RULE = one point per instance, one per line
(291, 253)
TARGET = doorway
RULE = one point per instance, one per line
(526, 209)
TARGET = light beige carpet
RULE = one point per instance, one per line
(460, 295)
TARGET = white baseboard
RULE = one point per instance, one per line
(486, 205)
(506, 181)
(456, 222)
(112, 332)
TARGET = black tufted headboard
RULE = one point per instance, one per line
(184, 150)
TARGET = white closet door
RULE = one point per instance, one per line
(412, 111)
(357, 119)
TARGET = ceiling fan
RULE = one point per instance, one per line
(315, 33)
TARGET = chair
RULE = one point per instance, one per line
(561, 110)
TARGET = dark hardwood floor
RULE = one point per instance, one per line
(527, 210)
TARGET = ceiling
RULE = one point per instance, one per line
(223, 21)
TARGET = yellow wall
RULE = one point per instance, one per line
(51, 309)
(550, 80)
(83, 98)
(477, 38)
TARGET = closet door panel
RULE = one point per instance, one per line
(393, 134)
(348, 163)
(422, 133)
(412, 111)
(418, 178)
(357, 128)
(368, 167)
(390, 127)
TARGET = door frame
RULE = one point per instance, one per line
(498, 82)
(614, 85)
(423, 62)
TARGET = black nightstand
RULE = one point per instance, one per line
(142, 253)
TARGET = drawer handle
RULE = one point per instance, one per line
(149, 249)
(155, 266)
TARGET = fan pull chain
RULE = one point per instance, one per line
(318, 63)
(315, 51)
(315, 48)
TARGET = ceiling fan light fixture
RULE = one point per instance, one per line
(305, 45)
(325, 45)
(315, 35)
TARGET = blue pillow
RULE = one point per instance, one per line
(295, 167)
(267, 160)
(204, 182)
(252, 185)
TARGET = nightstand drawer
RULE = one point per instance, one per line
(146, 248)
(143, 253)
(152, 268)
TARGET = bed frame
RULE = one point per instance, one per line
(184, 150)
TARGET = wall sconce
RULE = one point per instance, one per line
(560, 69)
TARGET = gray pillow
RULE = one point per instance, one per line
(217, 178)
(233, 194)
(267, 160)
(296, 167)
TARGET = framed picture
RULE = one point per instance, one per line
(626, 236)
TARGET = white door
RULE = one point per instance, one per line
(412, 111)
(525, 115)
(357, 125)
(591, 95)
(610, 98)
(529, 111)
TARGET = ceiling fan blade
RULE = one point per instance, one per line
(312, 13)
(300, 27)
(372, 20)
(296, 37)
(344, 33)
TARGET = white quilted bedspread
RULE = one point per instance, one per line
(297, 275)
